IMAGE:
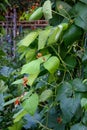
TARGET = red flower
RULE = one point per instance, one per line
(33, 7)
(59, 120)
(25, 81)
(17, 102)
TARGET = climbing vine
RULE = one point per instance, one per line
(52, 80)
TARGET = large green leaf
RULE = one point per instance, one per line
(52, 120)
(63, 7)
(45, 95)
(30, 104)
(69, 107)
(80, 11)
(64, 90)
(52, 64)
(43, 35)
(32, 67)
(72, 34)
(37, 14)
(54, 34)
(47, 10)
(79, 86)
(79, 126)
(28, 39)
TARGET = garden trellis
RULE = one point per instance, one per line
(14, 27)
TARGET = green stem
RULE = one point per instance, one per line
(45, 127)
(63, 63)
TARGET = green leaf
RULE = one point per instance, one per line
(32, 67)
(19, 81)
(69, 107)
(84, 103)
(80, 11)
(64, 90)
(17, 117)
(45, 95)
(30, 104)
(84, 1)
(54, 34)
(3, 87)
(32, 78)
(30, 54)
(7, 2)
(47, 10)
(84, 119)
(63, 7)
(2, 7)
(72, 34)
(79, 126)
(10, 102)
(52, 120)
(43, 35)
(28, 39)
(70, 61)
(52, 64)
(37, 14)
(79, 86)
(21, 49)
(16, 126)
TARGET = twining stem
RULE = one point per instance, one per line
(61, 15)
(63, 63)
(45, 127)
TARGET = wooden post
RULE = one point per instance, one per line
(14, 31)
(14, 22)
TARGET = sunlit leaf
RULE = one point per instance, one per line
(19, 81)
(52, 64)
(45, 95)
(30, 104)
(28, 39)
(47, 10)
(43, 35)
(54, 34)
(31, 67)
